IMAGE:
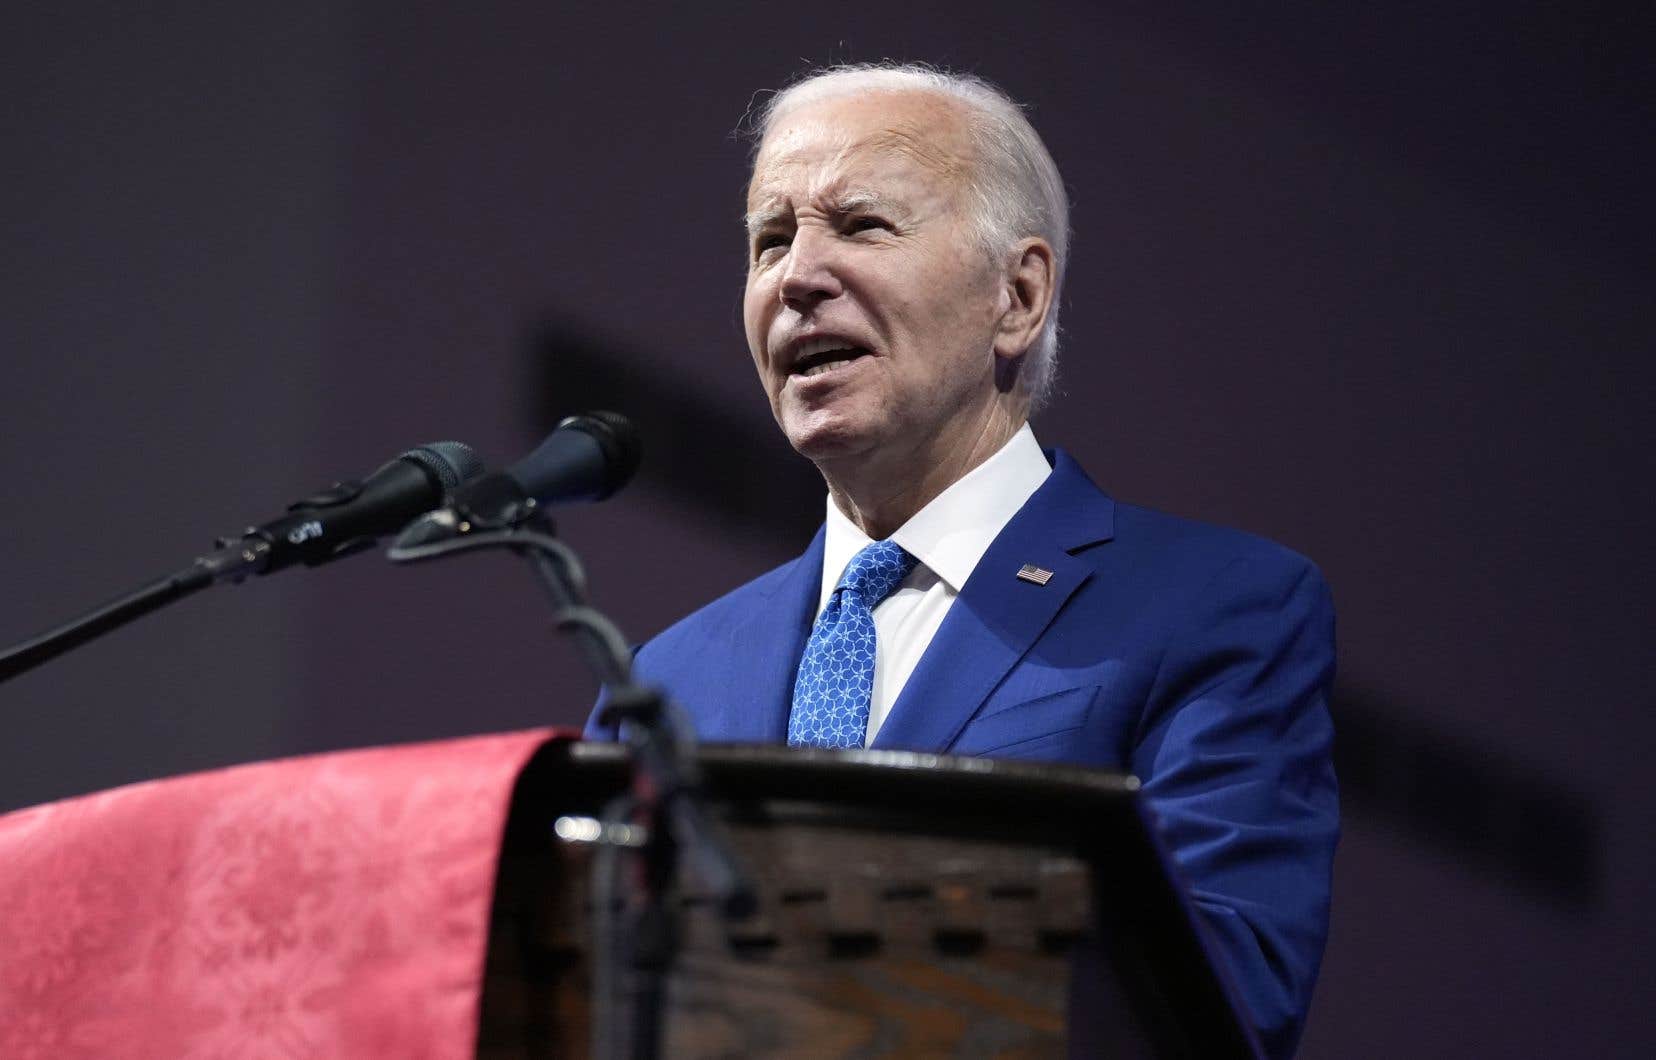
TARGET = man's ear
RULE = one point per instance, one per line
(1027, 296)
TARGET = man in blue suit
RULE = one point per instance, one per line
(970, 593)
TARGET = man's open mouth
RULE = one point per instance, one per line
(821, 356)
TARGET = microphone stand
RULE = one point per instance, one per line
(660, 818)
(233, 562)
(344, 518)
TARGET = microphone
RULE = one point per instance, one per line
(348, 516)
(586, 458)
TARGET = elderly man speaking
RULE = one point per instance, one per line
(970, 593)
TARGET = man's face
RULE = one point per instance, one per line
(870, 307)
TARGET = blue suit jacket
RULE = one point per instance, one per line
(1195, 657)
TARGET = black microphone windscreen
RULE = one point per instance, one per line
(586, 458)
(618, 439)
(450, 462)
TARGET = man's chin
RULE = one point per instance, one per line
(828, 439)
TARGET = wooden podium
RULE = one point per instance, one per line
(415, 902)
(909, 905)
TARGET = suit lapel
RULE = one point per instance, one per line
(998, 616)
(767, 643)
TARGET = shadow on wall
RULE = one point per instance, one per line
(1511, 822)
(1504, 819)
(691, 445)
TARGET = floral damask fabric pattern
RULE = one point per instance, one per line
(330, 906)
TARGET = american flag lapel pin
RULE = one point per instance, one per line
(1036, 575)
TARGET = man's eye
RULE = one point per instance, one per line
(772, 241)
(866, 223)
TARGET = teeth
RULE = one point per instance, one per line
(811, 347)
(818, 355)
(825, 366)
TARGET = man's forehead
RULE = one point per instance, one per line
(839, 144)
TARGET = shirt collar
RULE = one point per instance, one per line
(949, 535)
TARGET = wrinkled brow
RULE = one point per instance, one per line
(774, 210)
(769, 213)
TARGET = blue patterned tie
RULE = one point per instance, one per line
(836, 673)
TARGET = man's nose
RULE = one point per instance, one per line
(811, 274)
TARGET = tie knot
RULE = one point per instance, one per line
(875, 571)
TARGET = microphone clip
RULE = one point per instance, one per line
(493, 503)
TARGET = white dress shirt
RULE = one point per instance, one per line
(948, 537)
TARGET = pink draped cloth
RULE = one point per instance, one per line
(329, 906)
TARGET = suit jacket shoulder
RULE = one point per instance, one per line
(716, 619)
(731, 662)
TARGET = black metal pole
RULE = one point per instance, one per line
(229, 563)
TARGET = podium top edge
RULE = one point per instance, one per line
(909, 767)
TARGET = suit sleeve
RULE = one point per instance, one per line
(592, 730)
(1235, 755)
(595, 731)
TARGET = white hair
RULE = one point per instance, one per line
(1015, 183)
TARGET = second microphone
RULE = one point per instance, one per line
(586, 458)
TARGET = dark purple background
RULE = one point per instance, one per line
(1373, 281)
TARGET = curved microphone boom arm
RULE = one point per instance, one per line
(589, 458)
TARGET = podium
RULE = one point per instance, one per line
(417, 902)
